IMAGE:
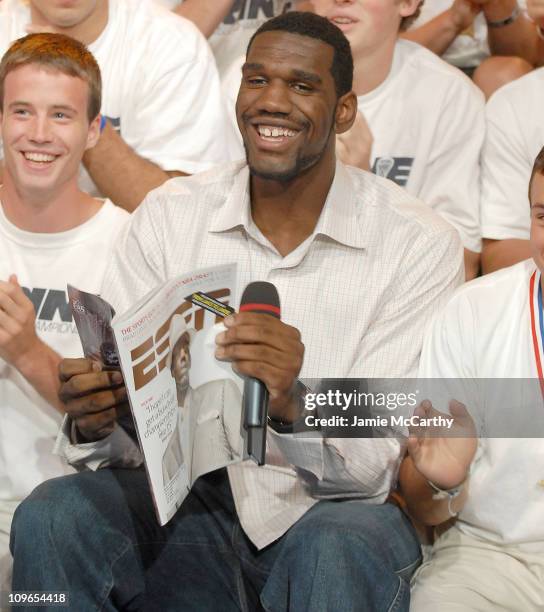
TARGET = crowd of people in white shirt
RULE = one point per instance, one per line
(442, 113)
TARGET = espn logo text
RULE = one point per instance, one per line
(149, 357)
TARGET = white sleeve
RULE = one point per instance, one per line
(506, 169)
(452, 176)
(340, 467)
(433, 268)
(448, 369)
(179, 120)
(116, 450)
(137, 263)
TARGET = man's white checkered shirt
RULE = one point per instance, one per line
(360, 289)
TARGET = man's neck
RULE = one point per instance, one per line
(287, 213)
(48, 213)
(87, 31)
(373, 67)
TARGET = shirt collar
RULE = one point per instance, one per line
(236, 211)
(339, 219)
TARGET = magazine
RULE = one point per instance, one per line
(186, 405)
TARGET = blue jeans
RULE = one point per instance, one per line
(95, 535)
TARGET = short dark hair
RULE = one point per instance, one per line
(314, 26)
(55, 52)
(538, 168)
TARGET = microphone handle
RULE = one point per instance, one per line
(255, 403)
(255, 418)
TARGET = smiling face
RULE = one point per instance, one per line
(45, 130)
(286, 105)
(537, 220)
(368, 24)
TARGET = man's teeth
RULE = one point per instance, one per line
(342, 20)
(275, 132)
(39, 157)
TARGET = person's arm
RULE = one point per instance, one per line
(205, 14)
(20, 345)
(517, 38)
(120, 173)
(443, 461)
(418, 495)
(439, 454)
(439, 33)
(498, 254)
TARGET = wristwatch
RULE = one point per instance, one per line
(504, 22)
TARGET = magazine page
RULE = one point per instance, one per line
(186, 404)
(93, 317)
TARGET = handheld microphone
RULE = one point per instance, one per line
(261, 297)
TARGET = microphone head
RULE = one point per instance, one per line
(261, 297)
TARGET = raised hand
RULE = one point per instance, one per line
(443, 455)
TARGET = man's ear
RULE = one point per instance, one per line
(94, 133)
(346, 111)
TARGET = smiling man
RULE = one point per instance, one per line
(359, 266)
(162, 114)
(50, 231)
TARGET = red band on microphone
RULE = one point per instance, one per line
(260, 308)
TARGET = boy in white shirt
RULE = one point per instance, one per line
(492, 557)
(161, 99)
(51, 234)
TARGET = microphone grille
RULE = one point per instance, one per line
(262, 297)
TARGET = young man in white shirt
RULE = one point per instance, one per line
(425, 118)
(359, 265)
(493, 556)
(50, 231)
(163, 115)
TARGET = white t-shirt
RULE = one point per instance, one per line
(470, 47)
(44, 264)
(427, 120)
(515, 135)
(231, 38)
(485, 332)
(160, 84)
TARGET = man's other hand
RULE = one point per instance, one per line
(94, 398)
